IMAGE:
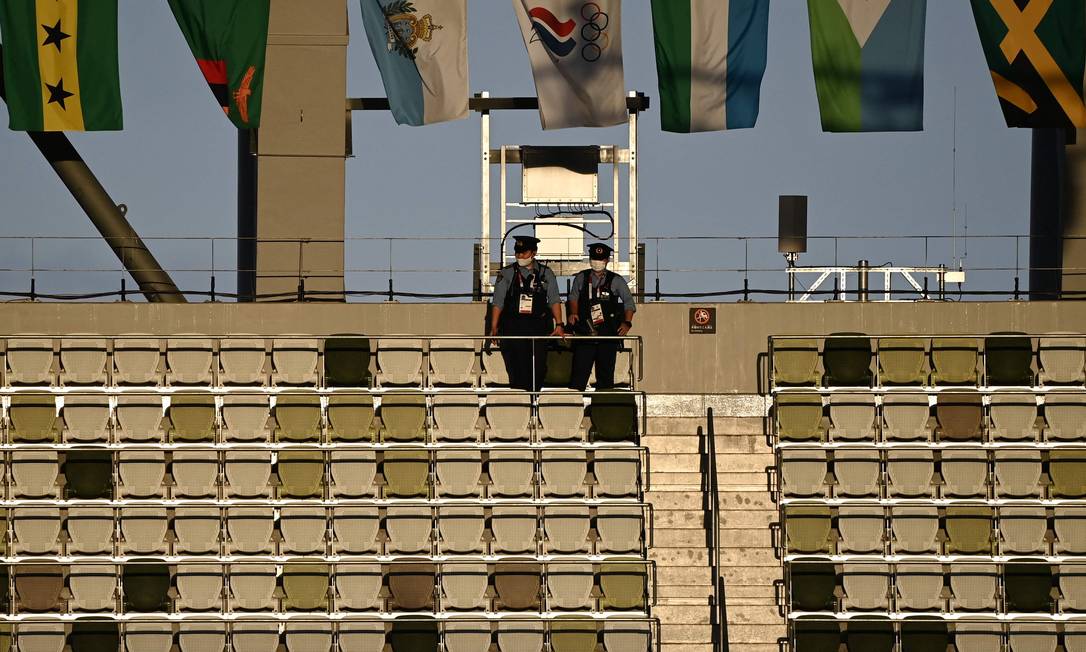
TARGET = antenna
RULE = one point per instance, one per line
(954, 178)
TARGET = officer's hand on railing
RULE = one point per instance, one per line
(558, 331)
(623, 329)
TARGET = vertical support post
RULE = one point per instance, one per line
(639, 295)
(484, 249)
(476, 276)
(942, 282)
(863, 272)
(246, 272)
(632, 211)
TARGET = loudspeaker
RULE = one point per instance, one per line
(792, 227)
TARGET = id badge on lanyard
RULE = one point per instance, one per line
(524, 305)
(596, 309)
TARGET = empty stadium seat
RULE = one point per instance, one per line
(812, 586)
(90, 530)
(302, 636)
(32, 418)
(83, 361)
(852, 417)
(29, 361)
(1069, 526)
(919, 587)
(520, 636)
(409, 528)
(403, 417)
(624, 586)
(846, 358)
(1027, 587)
(969, 529)
(305, 587)
(619, 528)
(561, 416)
(250, 529)
(301, 473)
(358, 587)
(905, 417)
(413, 634)
(1014, 416)
(954, 361)
(1032, 637)
(613, 416)
(1008, 360)
(352, 473)
(1068, 470)
(466, 635)
(1017, 473)
(304, 529)
(1061, 360)
(93, 587)
(858, 472)
(563, 472)
(914, 528)
(355, 528)
(189, 361)
(254, 636)
(199, 587)
(407, 473)
(245, 417)
(494, 372)
(139, 418)
(350, 417)
(41, 637)
(411, 586)
(195, 473)
(145, 586)
(512, 473)
(1065, 414)
(452, 362)
(456, 417)
(399, 361)
(298, 418)
(559, 362)
(294, 361)
(965, 472)
(86, 419)
(94, 635)
(463, 586)
(869, 634)
(192, 417)
(196, 636)
(141, 473)
(960, 416)
(862, 528)
(910, 472)
(795, 361)
(627, 636)
(566, 528)
(198, 530)
(617, 472)
(866, 587)
(136, 361)
(458, 472)
(38, 586)
(460, 529)
(247, 473)
(241, 361)
(34, 473)
(347, 362)
(143, 529)
(902, 361)
(150, 636)
(37, 530)
(1072, 584)
(517, 585)
(515, 528)
(799, 416)
(807, 528)
(1022, 529)
(252, 587)
(508, 415)
(974, 586)
(569, 586)
(88, 474)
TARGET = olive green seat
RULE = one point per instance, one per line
(403, 417)
(306, 587)
(1028, 587)
(350, 417)
(94, 636)
(192, 417)
(573, 634)
(869, 635)
(799, 416)
(969, 529)
(5, 636)
(960, 416)
(407, 473)
(902, 361)
(812, 585)
(301, 473)
(614, 417)
(559, 363)
(414, 634)
(624, 587)
(846, 357)
(954, 361)
(146, 586)
(33, 418)
(347, 362)
(1068, 470)
(1008, 360)
(816, 635)
(89, 474)
(807, 528)
(298, 417)
(924, 635)
(5, 595)
(795, 362)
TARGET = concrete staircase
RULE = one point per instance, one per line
(680, 521)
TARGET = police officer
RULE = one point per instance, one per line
(526, 302)
(600, 303)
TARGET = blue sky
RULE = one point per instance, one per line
(174, 166)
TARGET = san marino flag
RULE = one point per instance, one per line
(710, 59)
(869, 63)
(421, 48)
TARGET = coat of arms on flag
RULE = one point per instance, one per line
(405, 28)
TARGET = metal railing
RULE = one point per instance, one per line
(718, 609)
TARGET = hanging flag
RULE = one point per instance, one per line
(421, 49)
(575, 49)
(710, 58)
(869, 63)
(60, 65)
(1037, 57)
(229, 39)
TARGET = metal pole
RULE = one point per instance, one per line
(247, 162)
(476, 277)
(484, 144)
(640, 272)
(107, 217)
(632, 181)
(863, 267)
(942, 282)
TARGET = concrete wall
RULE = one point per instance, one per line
(675, 361)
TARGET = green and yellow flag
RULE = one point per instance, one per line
(60, 64)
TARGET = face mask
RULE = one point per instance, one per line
(525, 262)
(598, 265)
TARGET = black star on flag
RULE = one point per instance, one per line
(57, 94)
(54, 36)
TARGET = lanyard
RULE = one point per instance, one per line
(532, 281)
(593, 287)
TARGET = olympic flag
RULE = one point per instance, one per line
(575, 48)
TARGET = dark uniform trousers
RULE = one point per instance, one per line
(588, 351)
(526, 360)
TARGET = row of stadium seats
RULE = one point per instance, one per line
(334, 362)
(928, 529)
(551, 472)
(398, 416)
(965, 472)
(409, 586)
(854, 359)
(923, 634)
(405, 634)
(909, 416)
(391, 530)
(1013, 587)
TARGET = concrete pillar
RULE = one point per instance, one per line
(302, 148)
(1073, 246)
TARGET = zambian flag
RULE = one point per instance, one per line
(229, 39)
(1036, 52)
(60, 64)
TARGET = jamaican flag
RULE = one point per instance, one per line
(1036, 52)
(60, 64)
(229, 39)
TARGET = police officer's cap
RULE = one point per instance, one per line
(525, 243)
(599, 251)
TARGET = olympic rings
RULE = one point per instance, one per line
(593, 31)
